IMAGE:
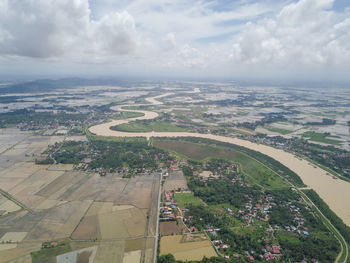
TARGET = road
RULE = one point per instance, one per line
(334, 192)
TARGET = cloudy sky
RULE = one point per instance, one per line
(267, 39)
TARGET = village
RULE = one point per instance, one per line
(255, 212)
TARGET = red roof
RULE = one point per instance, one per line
(224, 246)
(276, 249)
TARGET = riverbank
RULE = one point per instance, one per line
(334, 192)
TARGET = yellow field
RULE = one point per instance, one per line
(7, 246)
(132, 257)
(13, 237)
(60, 204)
(110, 252)
(61, 167)
(186, 250)
(9, 207)
(87, 229)
(122, 223)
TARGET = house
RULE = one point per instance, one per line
(269, 257)
(224, 246)
(193, 229)
(251, 258)
(276, 249)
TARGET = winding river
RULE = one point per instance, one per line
(335, 192)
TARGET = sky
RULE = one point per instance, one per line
(229, 39)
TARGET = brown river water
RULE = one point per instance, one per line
(335, 192)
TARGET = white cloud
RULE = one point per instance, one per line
(112, 34)
(50, 28)
(214, 37)
(301, 34)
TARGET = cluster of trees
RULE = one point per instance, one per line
(169, 258)
(329, 156)
(324, 208)
(39, 118)
(112, 155)
(323, 249)
(298, 247)
(9, 99)
(294, 248)
(109, 155)
(68, 152)
(269, 118)
(325, 121)
(334, 158)
(223, 191)
(266, 160)
(219, 165)
(238, 241)
(71, 152)
(187, 171)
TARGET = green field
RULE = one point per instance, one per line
(319, 137)
(184, 199)
(281, 131)
(138, 126)
(129, 114)
(256, 172)
(46, 253)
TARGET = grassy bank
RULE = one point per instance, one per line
(257, 172)
(278, 130)
(140, 126)
(324, 208)
(269, 162)
(129, 114)
(335, 224)
(319, 137)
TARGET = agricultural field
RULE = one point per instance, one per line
(94, 198)
(320, 137)
(185, 199)
(105, 218)
(171, 227)
(254, 170)
(139, 126)
(187, 247)
(175, 181)
(279, 130)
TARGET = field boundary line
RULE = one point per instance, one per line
(17, 202)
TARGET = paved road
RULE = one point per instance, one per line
(302, 168)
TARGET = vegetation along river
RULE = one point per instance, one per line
(335, 192)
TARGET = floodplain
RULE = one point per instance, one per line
(100, 219)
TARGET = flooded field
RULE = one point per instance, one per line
(334, 192)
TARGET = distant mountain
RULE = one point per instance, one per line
(47, 85)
